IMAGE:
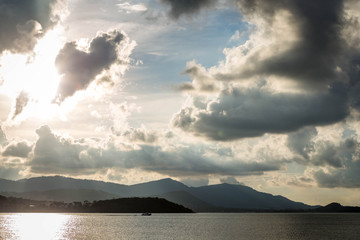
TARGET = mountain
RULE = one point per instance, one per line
(58, 182)
(186, 199)
(242, 197)
(336, 207)
(221, 197)
(156, 188)
(63, 195)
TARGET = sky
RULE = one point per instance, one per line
(263, 93)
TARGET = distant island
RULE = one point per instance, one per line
(337, 207)
(120, 205)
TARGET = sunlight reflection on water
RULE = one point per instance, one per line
(39, 226)
(242, 226)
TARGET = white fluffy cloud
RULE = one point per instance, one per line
(53, 154)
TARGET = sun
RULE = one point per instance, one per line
(34, 75)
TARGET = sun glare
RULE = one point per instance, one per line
(34, 74)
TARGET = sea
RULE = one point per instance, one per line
(247, 226)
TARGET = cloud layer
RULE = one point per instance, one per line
(251, 113)
(57, 155)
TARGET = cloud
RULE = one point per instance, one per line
(57, 155)
(11, 173)
(311, 149)
(129, 8)
(332, 155)
(250, 113)
(3, 139)
(139, 135)
(339, 160)
(53, 154)
(302, 182)
(345, 162)
(182, 161)
(23, 22)
(81, 67)
(230, 180)
(186, 7)
(20, 149)
(301, 141)
(336, 178)
(302, 46)
(297, 69)
(195, 182)
(21, 102)
(202, 81)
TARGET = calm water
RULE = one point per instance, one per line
(180, 226)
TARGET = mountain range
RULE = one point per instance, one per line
(212, 198)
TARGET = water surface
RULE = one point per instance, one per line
(270, 226)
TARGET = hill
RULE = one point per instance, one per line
(336, 208)
(63, 195)
(186, 199)
(220, 197)
(59, 182)
(120, 205)
(137, 205)
(243, 198)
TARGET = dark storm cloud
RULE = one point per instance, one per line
(319, 60)
(301, 142)
(342, 159)
(79, 68)
(330, 155)
(20, 149)
(251, 113)
(346, 176)
(186, 7)
(313, 59)
(321, 152)
(22, 22)
(354, 76)
(21, 101)
(57, 155)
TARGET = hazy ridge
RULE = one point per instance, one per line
(212, 198)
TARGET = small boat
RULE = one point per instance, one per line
(146, 214)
